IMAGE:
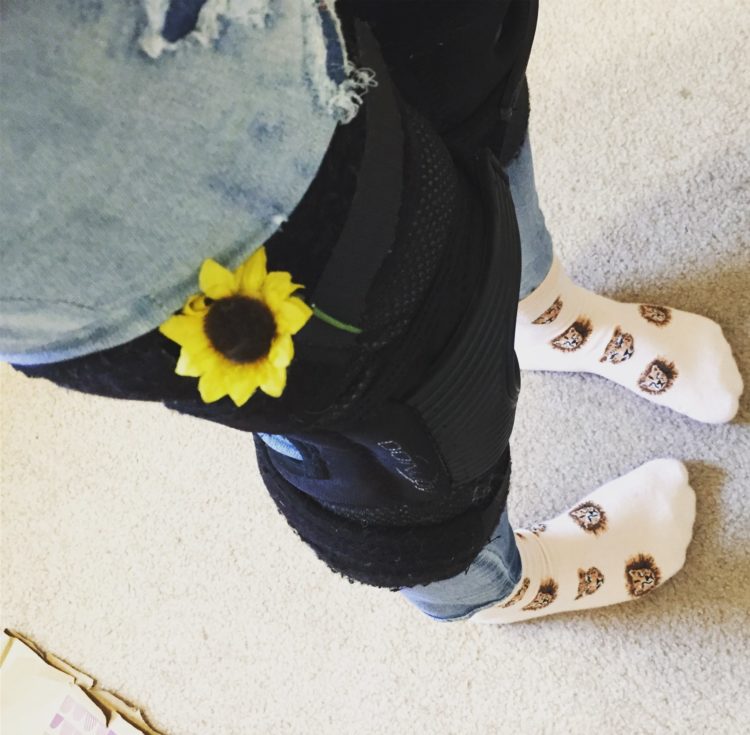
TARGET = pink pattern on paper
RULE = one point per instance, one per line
(78, 713)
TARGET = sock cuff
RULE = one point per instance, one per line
(542, 296)
(532, 556)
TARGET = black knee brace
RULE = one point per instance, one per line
(404, 475)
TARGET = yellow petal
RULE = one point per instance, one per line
(292, 315)
(282, 351)
(215, 280)
(211, 385)
(185, 330)
(242, 386)
(277, 287)
(274, 381)
(194, 364)
(252, 273)
(195, 306)
(186, 367)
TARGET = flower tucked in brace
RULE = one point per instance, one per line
(236, 336)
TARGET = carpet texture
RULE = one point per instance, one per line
(141, 546)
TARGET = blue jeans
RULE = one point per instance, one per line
(130, 155)
(536, 243)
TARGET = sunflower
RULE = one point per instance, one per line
(236, 336)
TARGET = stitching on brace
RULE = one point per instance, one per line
(208, 27)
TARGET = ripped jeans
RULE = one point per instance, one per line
(138, 139)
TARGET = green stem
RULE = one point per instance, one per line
(334, 322)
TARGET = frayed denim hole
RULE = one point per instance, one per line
(335, 61)
(181, 18)
(174, 24)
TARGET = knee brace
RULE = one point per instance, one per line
(404, 474)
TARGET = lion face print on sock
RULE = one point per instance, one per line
(574, 337)
(546, 596)
(619, 349)
(590, 517)
(641, 574)
(589, 581)
(658, 376)
(521, 592)
(551, 314)
(659, 315)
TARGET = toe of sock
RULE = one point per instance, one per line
(664, 488)
(673, 482)
(722, 405)
(721, 412)
(670, 476)
(670, 471)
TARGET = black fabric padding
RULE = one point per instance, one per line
(428, 224)
(443, 53)
(388, 556)
(469, 400)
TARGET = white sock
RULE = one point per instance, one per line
(667, 356)
(617, 544)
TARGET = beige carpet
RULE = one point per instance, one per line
(142, 547)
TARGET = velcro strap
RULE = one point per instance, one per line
(369, 230)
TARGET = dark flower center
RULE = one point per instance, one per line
(241, 328)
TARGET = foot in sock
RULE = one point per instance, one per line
(617, 544)
(670, 357)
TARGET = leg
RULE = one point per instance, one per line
(670, 357)
(408, 395)
(401, 464)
